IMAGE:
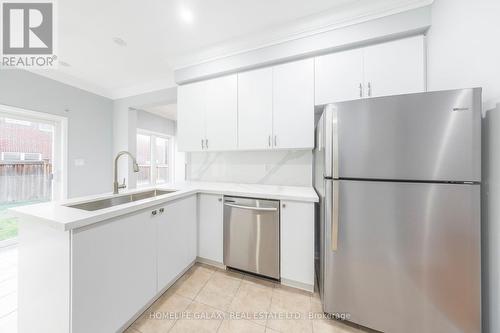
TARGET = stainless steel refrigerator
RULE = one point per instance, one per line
(398, 224)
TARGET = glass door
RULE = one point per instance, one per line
(30, 166)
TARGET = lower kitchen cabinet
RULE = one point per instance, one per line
(113, 272)
(297, 244)
(210, 227)
(98, 278)
(176, 239)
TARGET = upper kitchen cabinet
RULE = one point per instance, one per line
(293, 105)
(395, 68)
(191, 101)
(391, 68)
(339, 77)
(255, 109)
(221, 113)
(208, 113)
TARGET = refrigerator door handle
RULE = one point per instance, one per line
(335, 215)
(331, 214)
(331, 142)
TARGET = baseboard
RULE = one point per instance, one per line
(285, 282)
(155, 298)
(298, 285)
(210, 262)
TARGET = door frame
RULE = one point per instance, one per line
(60, 144)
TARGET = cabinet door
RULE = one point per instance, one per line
(395, 68)
(297, 243)
(210, 227)
(191, 116)
(222, 113)
(293, 105)
(255, 109)
(176, 239)
(113, 272)
(338, 77)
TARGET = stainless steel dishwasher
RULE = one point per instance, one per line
(252, 235)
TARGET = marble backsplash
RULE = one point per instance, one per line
(289, 168)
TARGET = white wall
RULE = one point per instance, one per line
(464, 51)
(90, 125)
(293, 168)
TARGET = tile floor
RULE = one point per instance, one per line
(207, 299)
(8, 289)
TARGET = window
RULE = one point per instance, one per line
(154, 158)
(161, 158)
(144, 159)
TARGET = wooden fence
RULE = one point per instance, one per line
(25, 181)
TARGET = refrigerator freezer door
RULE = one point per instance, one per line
(408, 257)
(434, 136)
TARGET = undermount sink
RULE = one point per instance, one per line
(119, 200)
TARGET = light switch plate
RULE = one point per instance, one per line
(79, 162)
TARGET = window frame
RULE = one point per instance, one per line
(153, 174)
(59, 144)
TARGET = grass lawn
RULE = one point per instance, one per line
(8, 224)
(8, 228)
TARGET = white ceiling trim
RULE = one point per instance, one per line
(73, 81)
(114, 94)
(287, 33)
(142, 88)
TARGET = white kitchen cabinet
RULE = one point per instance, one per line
(191, 103)
(176, 239)
(293, 105)
(210, 227)
(392, 68)
(208, 115)
(339, 77)
(297, 244)
(255, 109)
(221, 113)
(113, 272)
(395, 68)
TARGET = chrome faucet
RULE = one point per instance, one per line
(116, 185)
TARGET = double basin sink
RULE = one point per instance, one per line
(119, 200)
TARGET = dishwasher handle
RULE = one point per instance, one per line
(266, 209)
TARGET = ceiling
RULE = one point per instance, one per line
(161, 35)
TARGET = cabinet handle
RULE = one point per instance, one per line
(269, 141)
(360, 90)
(206, 143)
(202, 144)
(220, 199)
(283, 205)
(369, 89)
(275, 141)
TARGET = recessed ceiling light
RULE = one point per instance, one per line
(119, 41)
(186, 15)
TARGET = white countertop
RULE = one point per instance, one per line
(58, 215)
